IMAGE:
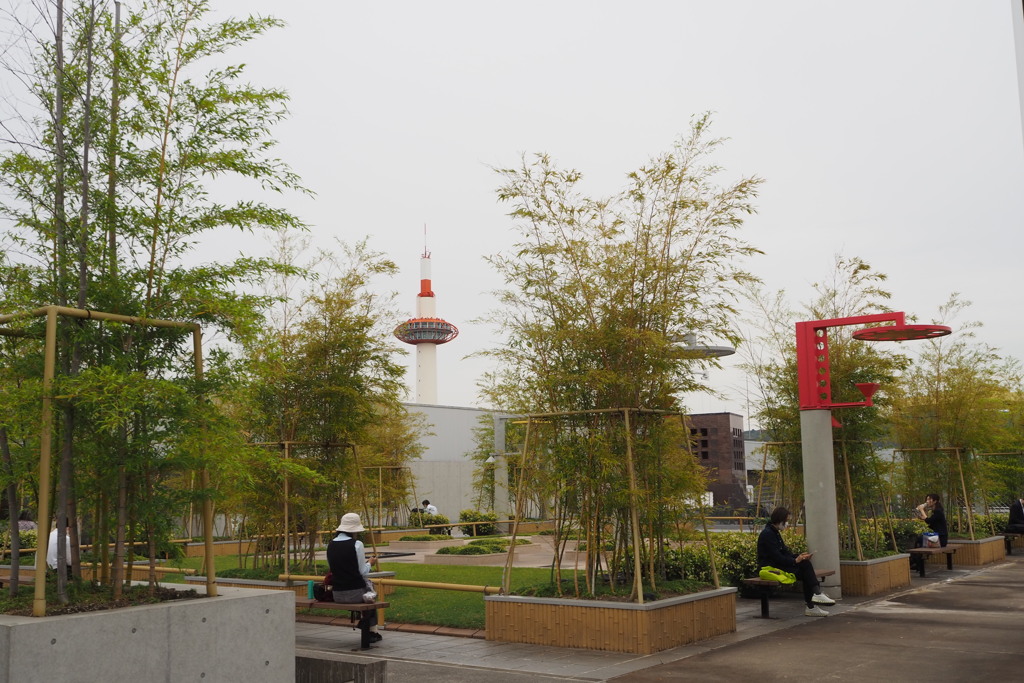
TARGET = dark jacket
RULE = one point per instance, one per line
(772, 550)
(344, 563)
(937, 523)
(1017, 513)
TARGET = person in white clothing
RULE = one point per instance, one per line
(51, 550)
(428, 508)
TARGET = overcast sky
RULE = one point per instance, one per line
(889, 131)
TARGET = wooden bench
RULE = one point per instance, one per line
(766, 587)
(353, 608)
(922, 555)
(1009, 537)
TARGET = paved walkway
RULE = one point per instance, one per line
(967, 625)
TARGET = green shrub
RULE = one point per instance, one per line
(470, 550)
(478, 529)
(421, 519)
(27, 538)
(735, 557)
(425, 537)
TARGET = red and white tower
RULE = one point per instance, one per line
(426, 331)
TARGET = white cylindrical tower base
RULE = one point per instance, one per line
(426, 373)
(820, 495)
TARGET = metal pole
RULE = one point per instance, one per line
(45, 432)
(820, 493)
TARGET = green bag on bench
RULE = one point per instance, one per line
(773, 574)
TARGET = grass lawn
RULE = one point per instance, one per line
(457, 609)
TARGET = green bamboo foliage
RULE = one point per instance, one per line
(117, 231)
(598, 294)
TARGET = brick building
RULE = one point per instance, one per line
(717, 443)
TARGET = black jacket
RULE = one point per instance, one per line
(937, 523)
(772, 550)
(344, 563)
(1017, 513)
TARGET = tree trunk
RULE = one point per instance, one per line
(14, 508)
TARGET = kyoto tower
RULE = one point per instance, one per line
(426, 331)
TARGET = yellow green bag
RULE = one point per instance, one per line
(773, 574)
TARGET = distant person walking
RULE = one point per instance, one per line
(773, 552)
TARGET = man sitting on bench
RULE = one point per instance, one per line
(773, 552)
(349, 569)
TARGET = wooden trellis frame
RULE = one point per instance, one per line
(631, 474)
(51, 314)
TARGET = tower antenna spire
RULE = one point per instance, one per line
(426, 254)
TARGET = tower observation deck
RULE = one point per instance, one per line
(426, 331)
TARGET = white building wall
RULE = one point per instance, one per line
(444, 473)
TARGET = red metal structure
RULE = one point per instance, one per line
(812, 359)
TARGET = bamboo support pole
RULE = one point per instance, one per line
(45, 435)
(204, 479)
(634, 517)
(287, 510)
(967, 500)
(849, 501)
(362, 494)
(506, 574)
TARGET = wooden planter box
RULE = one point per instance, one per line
(241, 635)
(977, 553)
(613, 626)
(489, 559)
(405, 546)
(529, 527)
(871, 577)
(198, 549)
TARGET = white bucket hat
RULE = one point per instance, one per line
(350, 523)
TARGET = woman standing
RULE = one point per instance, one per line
(349, 569)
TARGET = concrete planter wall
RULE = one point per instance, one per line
(241, 635)
(403, 546)
(977, 553)
(140, 572)
(612, 626)
(490, 559)
(389, 535)
(871, 577)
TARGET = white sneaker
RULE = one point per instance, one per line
(822, 599)
(815, 612)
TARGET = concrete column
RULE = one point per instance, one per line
(820, 495)
(426, 373)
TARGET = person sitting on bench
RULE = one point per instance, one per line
(936, 521)
(349, 569)
(1016, 525)
(773, 552)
